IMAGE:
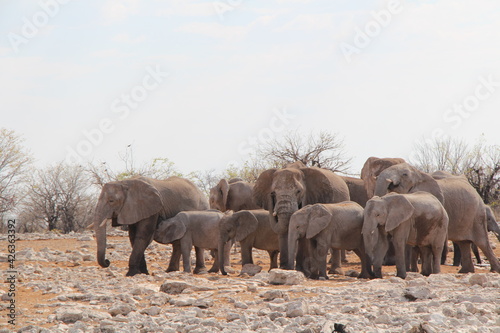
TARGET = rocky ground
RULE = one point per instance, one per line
(60, 288)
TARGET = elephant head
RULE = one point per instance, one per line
(171, 229)
(372, 168)
(218, 195)
(403, 178)
(492, 223)
(124, 202)
(306, 223)
(235, 226)
(383, 215)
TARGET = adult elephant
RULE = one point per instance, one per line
(234, 195)
(140, 203)
(465, 208)
(372, 168)
(357, 190)
(284, 191)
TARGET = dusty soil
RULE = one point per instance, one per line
(29, 302)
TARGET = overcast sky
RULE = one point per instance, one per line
(203, 82)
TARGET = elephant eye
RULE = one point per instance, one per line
(405, 174)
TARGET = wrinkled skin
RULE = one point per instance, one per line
(139, 203)
(372, 168)
(234, 195)
(193, 228)
(284, 191)
(252, 229)
(357, 190)
(327, 226)
(467, 216)
(416, 219)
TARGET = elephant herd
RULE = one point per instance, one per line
(393, 213)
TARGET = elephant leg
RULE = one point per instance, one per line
(215, 266)
(175, 258)
(200, 260)
(343, 256)
(456, 254)
(273, 256)
(320, 255)
(366, 272)
(335, 261)
(426, 257)
(246, 253)
(140, 236)
(444, 254)
(466, 258)
(399, 250)
(227, 252)
(413, 258)
(283, 244)
(485, 247)
(304, 261)
(437, 250)
(475, 250)
(390, 256)
(186, 246)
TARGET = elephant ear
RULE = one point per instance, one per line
(223, 188)
(171, 229)
(319, 188)
(399, 210)
(262, 189)
(141, 201)
(245, 223)
(319, 218)
(427, 183)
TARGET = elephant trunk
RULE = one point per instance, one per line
(100, 235)
(382, 186)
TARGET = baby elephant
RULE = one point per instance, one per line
(326, 226)
(198, 228)
(416, 219)
(252, 229)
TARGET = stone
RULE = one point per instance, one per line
(174, 287)
(417, 293)
(69, 316)
(270, 295)
(251, 269)
(478, 279)
(297, 309)
(203, 303)
(120, 309)
(240, 305)
(281, 276)
(152, 311)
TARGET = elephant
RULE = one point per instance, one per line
(328, 226)
(491, 225)
(284, 191)
(198, 228)
(140, 203)
(372, 168)
(234, 195)
(465, 208)
(417, 219)
(357, 190)
(252, 229)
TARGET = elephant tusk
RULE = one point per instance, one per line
(103, 223)
(90, 226)
(275, 214)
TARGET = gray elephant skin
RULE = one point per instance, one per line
(252, 229)
(372, 168)
(327, 226)
(416, 219)
(194, 228)
(357, 190)
(234, 195)
(284, 191)
(139, 203)
(465, 208)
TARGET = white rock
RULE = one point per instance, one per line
(174, 287)
(478, 279)
(251, 269)
(120, 309)
(297, 309)
(280, 276)
(69, 316)
(151, 311)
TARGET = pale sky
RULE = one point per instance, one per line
(202, 82)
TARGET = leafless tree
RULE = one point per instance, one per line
(58, 197)
(324, 150)
(14, 163)
(480, 164)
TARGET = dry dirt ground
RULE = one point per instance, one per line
(29, 302)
